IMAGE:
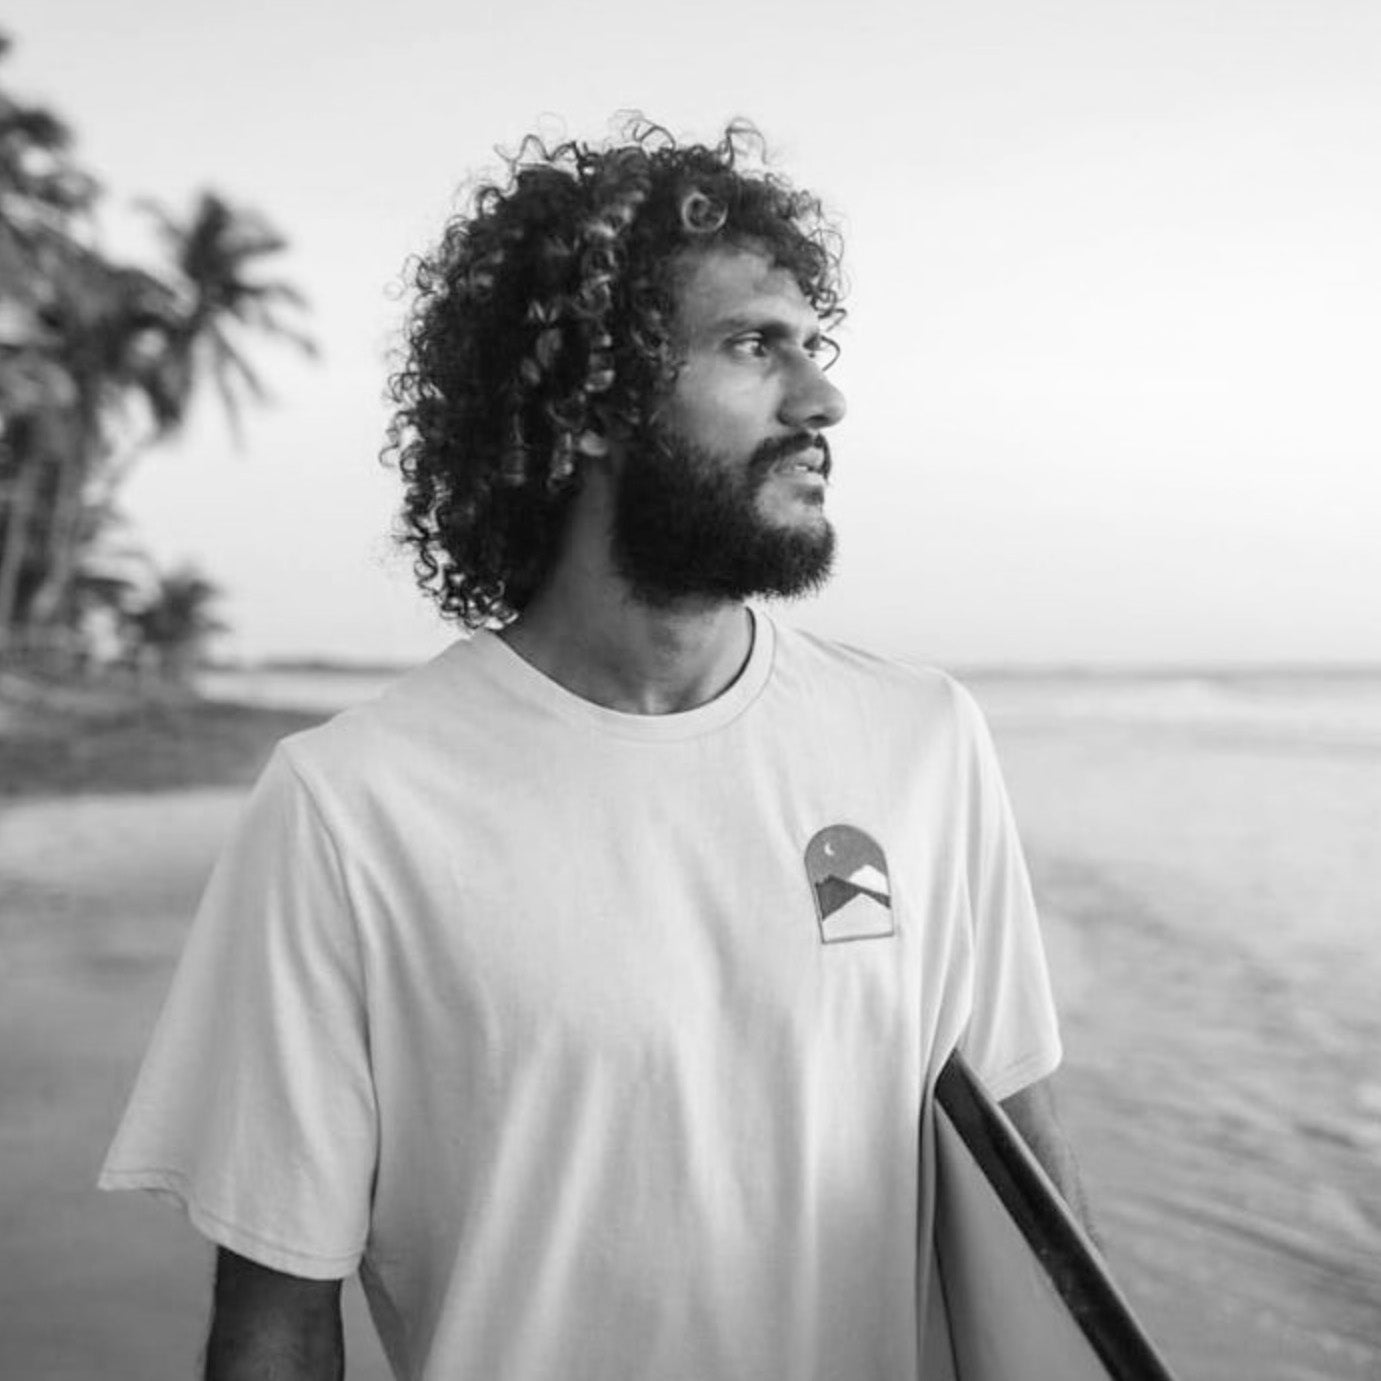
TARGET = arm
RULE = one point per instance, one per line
(1032, 1111)
(267, 1324)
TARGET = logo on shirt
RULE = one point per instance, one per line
(848, 877)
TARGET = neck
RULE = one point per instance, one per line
(586, 631)
(634, 659)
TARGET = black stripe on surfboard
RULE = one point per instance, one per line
(1055, 1238)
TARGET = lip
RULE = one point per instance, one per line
(802, 466)
(802, 476)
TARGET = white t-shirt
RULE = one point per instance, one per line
(597, 1041)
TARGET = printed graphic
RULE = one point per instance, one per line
(853, 893)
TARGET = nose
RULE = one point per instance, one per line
(811, 401)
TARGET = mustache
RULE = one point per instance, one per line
(780, 448)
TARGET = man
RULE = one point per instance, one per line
(584, 990)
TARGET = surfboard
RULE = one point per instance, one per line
(1018, 1292)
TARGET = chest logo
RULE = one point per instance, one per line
(848, 878)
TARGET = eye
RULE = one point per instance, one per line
(752, 344)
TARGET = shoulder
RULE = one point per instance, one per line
(402, 709)
(918, 693)
(382, 738)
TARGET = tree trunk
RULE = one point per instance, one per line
(48, 609)
(14, 545)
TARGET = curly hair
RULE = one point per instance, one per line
(544, 317)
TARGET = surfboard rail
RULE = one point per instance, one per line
(1063, 1250)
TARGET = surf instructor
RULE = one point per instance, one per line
(582, 991)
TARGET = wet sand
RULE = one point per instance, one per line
(1212, 915)
(95, 895)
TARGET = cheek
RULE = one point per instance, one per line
(723, 416)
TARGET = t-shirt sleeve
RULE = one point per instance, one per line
(254, 1110)
(1012, 1038)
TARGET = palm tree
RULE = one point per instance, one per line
(215, 251)
(106, 328)
(121, 334)
(41, 188)
(43, 197)
(83, 339)
(176, 621)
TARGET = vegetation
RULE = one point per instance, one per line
(99, 360)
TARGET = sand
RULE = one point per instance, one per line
(95, 894)
(1212, 923)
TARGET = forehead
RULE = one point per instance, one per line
(732, 284)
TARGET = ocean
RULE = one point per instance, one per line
(1206, 851)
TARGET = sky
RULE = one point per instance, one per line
(1115, 292)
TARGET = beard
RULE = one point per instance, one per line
(687, 526)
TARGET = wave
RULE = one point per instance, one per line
(1286, 710)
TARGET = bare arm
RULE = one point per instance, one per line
(1032, 1111)
(268, 1326)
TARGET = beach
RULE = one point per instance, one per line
(111, 815)
(1204, 854)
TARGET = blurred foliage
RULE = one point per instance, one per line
(60, 738)
(98, 361)
(174, 621)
